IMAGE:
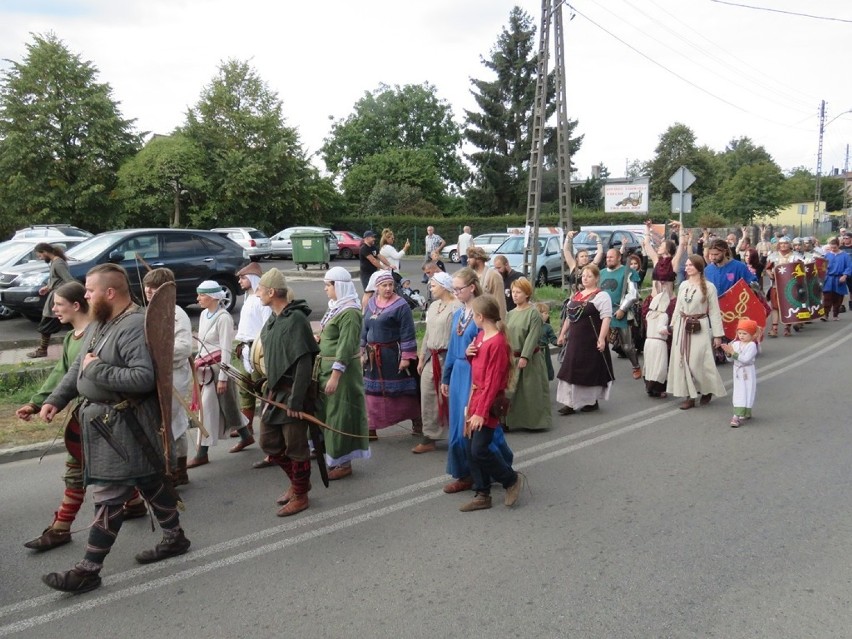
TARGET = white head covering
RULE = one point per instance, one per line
(211, 288)
(371, 284)
(344, 290)
(254, 279)
(444, 279)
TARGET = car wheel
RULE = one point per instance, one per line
(7, 313)
(230, 301)
(255, 258)
(345, 254)
(541, 280)
(454, 256)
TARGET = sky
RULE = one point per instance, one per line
(633, 67)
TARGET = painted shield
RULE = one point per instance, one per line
(738, 302)
(814, 277)
(791, 291)
(160, 336)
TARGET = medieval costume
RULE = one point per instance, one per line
(120, 417)
(743, 354)
(289, 348)
(182, 382)
(692, 369)
(585, 376)
(387, 338)
(434, 407)
(657, 314)
(530, 407)
(344, 410)
(622, 291)
(837, 275)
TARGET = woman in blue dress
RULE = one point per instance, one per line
(456, 382)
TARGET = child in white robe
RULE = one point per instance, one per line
(742, 352)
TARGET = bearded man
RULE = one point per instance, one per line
(615, 281)
(120, 419)
(491, 280)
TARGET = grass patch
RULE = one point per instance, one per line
(16, 390)
(549, 294)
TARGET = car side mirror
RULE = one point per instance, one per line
(116, 256)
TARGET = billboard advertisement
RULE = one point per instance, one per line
(619, 198)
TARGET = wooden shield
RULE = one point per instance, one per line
(160, 336)
(814, 276)
(791, 290)
(738, 302)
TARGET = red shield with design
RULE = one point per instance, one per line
(791, 293)
(738, 302)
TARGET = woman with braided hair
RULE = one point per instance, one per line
(697, 320)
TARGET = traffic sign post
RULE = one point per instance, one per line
(682, 201)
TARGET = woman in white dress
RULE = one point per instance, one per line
(697, 329)
(219, 406)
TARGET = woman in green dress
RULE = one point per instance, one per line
(341, 381)
(530, 408)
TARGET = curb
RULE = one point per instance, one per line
(30, 451)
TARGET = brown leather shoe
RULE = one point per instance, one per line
(297, 504)
(165, 549)
(263, 463)
(637, 373)
(339, 472)
(459, 486)
(74, 580)
(687, 404)
(134, 511)
(566, 410)
(242, 445)
(39, 352)
(480, 502)
(195, 462)
(424, 447)
(513, 492)
(287, 496)
(50, 538)
(705, 399)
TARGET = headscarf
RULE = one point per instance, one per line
(344, 290)
(253, 279)
(445, 280)
(382, 276)
(747, 325)
(211, 289)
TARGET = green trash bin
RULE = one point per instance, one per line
(310, 247)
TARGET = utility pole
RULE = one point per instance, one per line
(819, 166)
(551, 16)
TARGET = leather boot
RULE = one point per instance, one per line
(297, 504)
(50, 538)
(165, 549)
(181, 477)
(74, 580)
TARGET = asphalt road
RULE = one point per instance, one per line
(640, 520)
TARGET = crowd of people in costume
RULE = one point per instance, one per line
(482, 369)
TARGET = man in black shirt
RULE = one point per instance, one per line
(509, 275)
(369, 258)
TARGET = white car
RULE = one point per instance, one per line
(282, 245)
(255, 242)
(47, 232)
(488, 242)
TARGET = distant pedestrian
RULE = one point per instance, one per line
(465, 241)
(434, 243)
(369, 259)
(59, 275)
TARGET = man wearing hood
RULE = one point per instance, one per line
(289, 349)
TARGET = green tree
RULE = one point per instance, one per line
(254, 168)
(501, 129)
(63, 139)
(677, 147)
(755, 191)
(799, 186)
(410, 118)
(742, 152)
(162, 181)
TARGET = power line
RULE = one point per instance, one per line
(791, 13)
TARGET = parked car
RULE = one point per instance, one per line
(282, 245)
(348, 244)
(487, 242)
(255, 242)
(193, 256)
(610, 239)
(22, 251)
(51, 231)
(548, 262)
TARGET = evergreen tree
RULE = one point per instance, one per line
(502, 127)
(63, 139)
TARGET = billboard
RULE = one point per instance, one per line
(626, 197)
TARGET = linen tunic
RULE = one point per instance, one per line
(656, 351)
(692, 369)
(745, 377)
(219, 413)
(530, 401)
(439, 322)
(345, 410)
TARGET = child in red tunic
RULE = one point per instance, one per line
(490, 358)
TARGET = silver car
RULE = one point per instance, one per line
(488, 242)
(282, 245)
(548, 263)
(255, 242)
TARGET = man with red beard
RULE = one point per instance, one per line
(119, 411)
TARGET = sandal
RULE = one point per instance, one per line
(773, 332)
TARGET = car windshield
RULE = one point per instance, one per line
(515, 246)
(93, 247)
(583, 237)
(342, 237)
(13, 250)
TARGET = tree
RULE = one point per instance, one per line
(254, 168)
(502, 128)
(677, 147)
(742, 152)
(409, 118)
(755, 191)
(63, 139)
(161, 181)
